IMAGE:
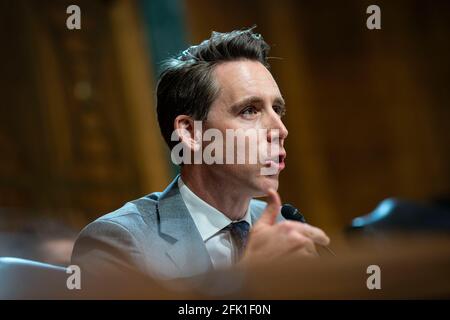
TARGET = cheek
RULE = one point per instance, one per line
(259, 145)
(263, 146)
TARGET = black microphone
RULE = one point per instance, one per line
(289, 212)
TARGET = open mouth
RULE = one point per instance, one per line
(281, 163)
(278, 162)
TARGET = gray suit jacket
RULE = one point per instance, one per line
(154, 235)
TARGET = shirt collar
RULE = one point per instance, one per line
(207, 219)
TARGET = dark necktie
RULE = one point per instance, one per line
(239, 233)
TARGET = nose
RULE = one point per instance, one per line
(277, 130)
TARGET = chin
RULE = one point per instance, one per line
(264, 183)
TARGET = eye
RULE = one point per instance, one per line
(280, 110)
(249, 111)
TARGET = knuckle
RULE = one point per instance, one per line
(286, 226)
(301, 240)
(294, 236)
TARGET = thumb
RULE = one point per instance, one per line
(272, 209)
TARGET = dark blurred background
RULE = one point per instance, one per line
(368, 110)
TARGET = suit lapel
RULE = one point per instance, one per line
(186, 247)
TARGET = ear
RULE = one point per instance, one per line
(189, 134)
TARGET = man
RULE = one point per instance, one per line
(202, 220)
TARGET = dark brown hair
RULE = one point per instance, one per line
(186, 85)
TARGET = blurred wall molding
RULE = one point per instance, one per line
(79, 131)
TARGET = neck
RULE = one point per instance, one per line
(227, 199)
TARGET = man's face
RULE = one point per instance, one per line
(249, 98)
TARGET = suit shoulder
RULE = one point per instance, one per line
(119, 230)
(132, 216)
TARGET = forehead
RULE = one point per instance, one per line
(244, 78)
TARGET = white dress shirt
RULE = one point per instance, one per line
(210, 222)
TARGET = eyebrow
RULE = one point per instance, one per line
(254, 100)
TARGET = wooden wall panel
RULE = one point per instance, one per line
(78, 127)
